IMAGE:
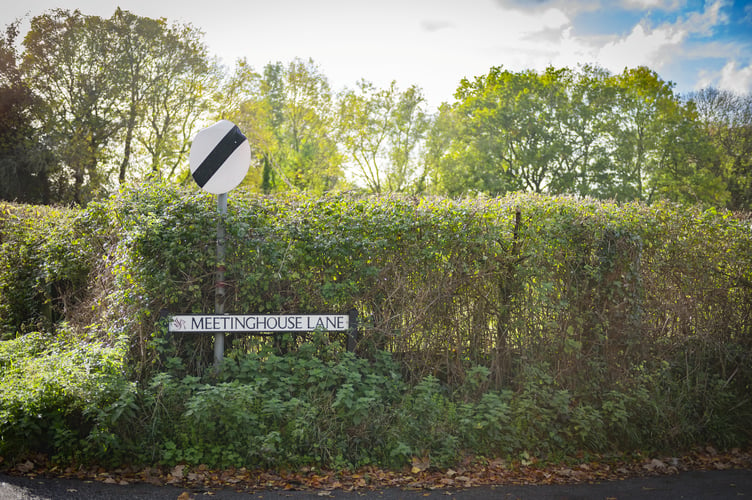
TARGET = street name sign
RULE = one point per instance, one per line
(249, 323)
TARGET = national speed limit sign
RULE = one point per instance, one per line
(220, 157)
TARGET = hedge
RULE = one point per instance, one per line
(518, 323)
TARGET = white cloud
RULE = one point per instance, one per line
(657, 47)
(736, 79)
(552, 38)
(553, 18)
(432, 26)
(731, 77)
(668, 5)
(703, 23)
(573, 50)
(640, 47)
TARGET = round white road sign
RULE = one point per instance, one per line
(220, 157)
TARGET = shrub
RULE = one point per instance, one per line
(57, 393)
(45, 260)
(512, 326)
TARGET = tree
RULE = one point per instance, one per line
(237, 100)
(687, 166)
(118, 98)
(534, 115)
(726, 118)
(588, 133)
(308, 152)
(287, 115)
(67, 65)
(137, 39)
(509, 132)
(25, 164)
(154, 63)
(410, 123)
(586, 162)
(381, 131)
(659, 149)
(439, 165)
(178, 99)
(642, 101)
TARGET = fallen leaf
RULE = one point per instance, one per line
(25, 467)
(177, 471)
(498, 463)
(654, 465)
(420, 474)
(420, 464)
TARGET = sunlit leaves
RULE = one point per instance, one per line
(287, 114)
(381, 131)
(586, 132)
(117, 98)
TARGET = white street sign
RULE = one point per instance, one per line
(206, 323)
(220, 157)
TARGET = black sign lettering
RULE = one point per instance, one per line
(258, 323)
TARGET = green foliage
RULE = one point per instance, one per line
(725, 117)
(24, 160)
(380, 131)
(46, 258)
(107, 91)
(520, 326)
(287, 117)
(61, 396)
(304, 407)
(92, 103)
(585, 132)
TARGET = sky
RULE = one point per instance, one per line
(434, 44)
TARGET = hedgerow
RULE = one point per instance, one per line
(524, 325)
(45, 265)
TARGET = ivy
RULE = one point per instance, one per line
(522, 326)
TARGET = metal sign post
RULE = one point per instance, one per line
(219, 292)
(219, 160)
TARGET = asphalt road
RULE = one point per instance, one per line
(726, 484)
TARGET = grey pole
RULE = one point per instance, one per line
(219, 297)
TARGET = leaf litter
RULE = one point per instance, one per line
(419, 474)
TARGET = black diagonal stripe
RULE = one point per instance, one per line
(218, 156)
